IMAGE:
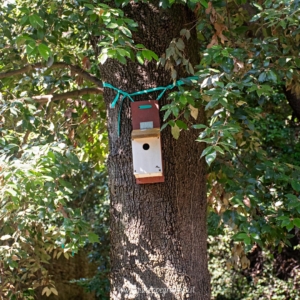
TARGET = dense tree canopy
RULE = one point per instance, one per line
(53, 118)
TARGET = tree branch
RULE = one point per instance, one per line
(59, 65)
(55, 97)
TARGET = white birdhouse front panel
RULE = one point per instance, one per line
(147, 160)
(146, 142)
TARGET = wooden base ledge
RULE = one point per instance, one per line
(147, 180)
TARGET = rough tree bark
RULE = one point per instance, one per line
(294, 101)
(158, 231)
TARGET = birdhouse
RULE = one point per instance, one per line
(146, 142)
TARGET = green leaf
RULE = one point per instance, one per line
(167, 114)
(194, 111)
(148, 54)
(112, 25)
(121, 58)
(218, 149)
(164, 126)
(264, 90)
(183, 99)
(283, 218)
(183, 31)
(188, 34)
(24, 37)
(285, 222)
(290, 226)
(210, 157)
(227, 64)
(175, 111)
(257, 6)
(191, 69)
(180, 44)
(296, 222)
(181, 124)
(44, 51)
(297, 62)
(199, 126)
(252, 88)
(292, 197)
(272, 76)
(139, 46)
(211, 104)
(164, 4)
(90, 6)
(93, 238)
(242, 236)
(93, 17)
(223, 101)
(24, 20)
(139, 57)
(204, 3)
(296, 186)
(36, 21)
(11, 191)
(123, 52)
(25, 10)
(206, 151)
(30, 48)
(262, 77)
(175, 132)
(171, 123)
(126, 31)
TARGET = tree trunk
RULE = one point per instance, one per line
(294, 101)
(158, 231)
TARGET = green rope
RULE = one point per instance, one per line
(126, 95)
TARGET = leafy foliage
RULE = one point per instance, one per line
(41, 206)
(250, 57)
(234, 283)
(97, 214)
(45, 146)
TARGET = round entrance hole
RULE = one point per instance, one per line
(146, 146)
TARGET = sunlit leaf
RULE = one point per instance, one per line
(175, 131)
(44, 51)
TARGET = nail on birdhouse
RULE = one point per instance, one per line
(146, 142)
